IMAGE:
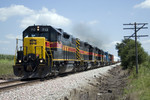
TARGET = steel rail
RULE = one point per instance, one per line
(14, 84)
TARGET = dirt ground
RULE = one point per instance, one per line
(109, 87)
(8, 77)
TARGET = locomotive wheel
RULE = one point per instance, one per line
(75, 69)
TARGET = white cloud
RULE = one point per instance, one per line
(31, 17)
(145, 42)
(145, 45)
(110, 47)
(112, 44)
(93, 22)
(45, 16)
(4, 42)
(11, 36)
(14, 10)
(116, 58)
(145, 4)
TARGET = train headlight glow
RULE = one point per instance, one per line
(19, 61)
(41, 61)
(38, 28)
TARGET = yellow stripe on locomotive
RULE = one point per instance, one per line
(34, 45)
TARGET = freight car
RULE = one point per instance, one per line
(48, 51)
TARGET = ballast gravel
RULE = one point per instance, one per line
(3, 81)
(54, 89)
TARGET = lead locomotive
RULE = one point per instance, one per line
(48, 51)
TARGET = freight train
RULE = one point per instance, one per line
(49, 51)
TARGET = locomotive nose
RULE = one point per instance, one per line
(29, 68)
(34, 46)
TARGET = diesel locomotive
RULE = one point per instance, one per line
(48, 51)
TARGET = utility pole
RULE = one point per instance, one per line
(136, 50)
(136, 29)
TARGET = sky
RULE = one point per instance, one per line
(98, 22)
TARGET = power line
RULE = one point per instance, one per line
(136, 29)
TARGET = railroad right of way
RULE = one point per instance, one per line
(59, 88)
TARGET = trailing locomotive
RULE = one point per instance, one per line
(50, 51)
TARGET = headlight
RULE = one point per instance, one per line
(19, 61)
(41, 61)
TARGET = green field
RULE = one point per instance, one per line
(6, 57)
(6, 63)
(139, 86)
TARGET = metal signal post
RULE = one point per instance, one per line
(136, 29)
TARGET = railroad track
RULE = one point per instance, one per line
(8, 85)
(15, 83)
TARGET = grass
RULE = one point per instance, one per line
(139, 85)
(7, 57)
(6, 68)
(6, 63)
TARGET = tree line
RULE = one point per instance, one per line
(126, 52)
(6, 57)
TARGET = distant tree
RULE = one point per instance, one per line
(126, 51)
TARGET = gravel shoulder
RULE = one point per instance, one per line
(72, 87)
(108, 86)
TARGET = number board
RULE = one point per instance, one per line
(33, 29)
(44, 29)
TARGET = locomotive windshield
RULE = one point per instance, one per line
(46, 35)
